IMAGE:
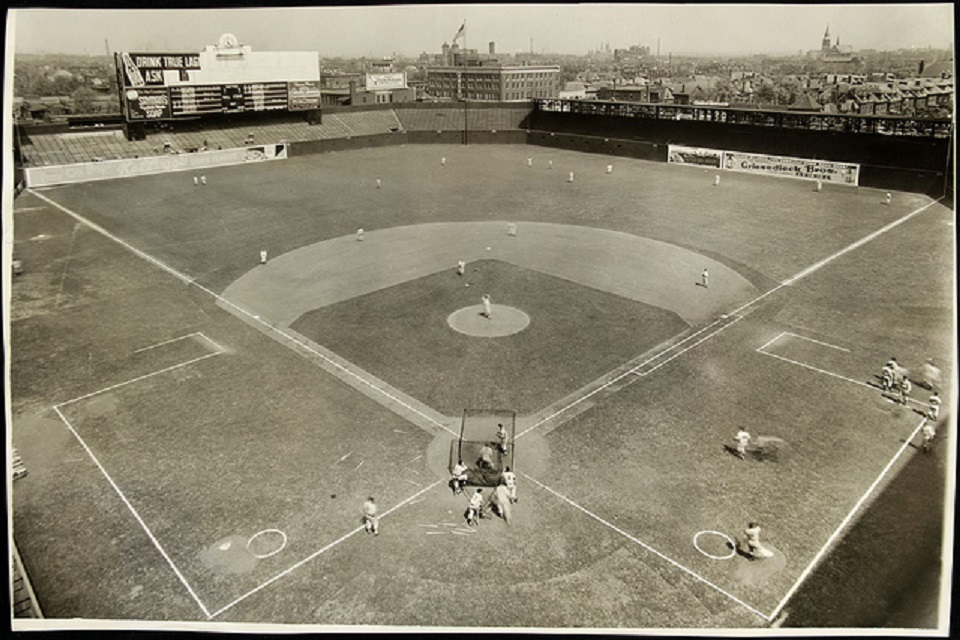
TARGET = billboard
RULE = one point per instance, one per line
(837, 172)
(386, 81)
(680, 154)
(141, 69)
(804, 168)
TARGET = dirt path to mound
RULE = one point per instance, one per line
(645, 270)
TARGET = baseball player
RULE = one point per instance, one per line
(459, 477)
(475, 508)
(509, 479)
(754, 547)
(743, 441)
(933, 411)
(905, 388)
(371, 523)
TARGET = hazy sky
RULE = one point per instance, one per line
(559, 28)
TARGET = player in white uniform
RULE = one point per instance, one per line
(929, 431)
(905, 389)
(487, 305)
(754, 547)
(716, 180)
(263, 256)
(705, 279)
(509, 479)
(461, 267)
(371, 523)
(360, 235)
(502, 438)
(886, 377)
(933, 412)
(475, 507)
(743, 441)
(458, 477)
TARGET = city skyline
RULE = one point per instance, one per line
(408, 30)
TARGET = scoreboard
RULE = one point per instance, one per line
(170, 86)
(155, 103)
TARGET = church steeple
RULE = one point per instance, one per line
(825, 43)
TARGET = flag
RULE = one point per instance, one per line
(460, 31)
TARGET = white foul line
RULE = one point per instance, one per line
(648, 547)
(165, 342)
(698, 342)
(254, 318)
(812, 368)
(830, 373)
(100, 229)
(825, 344)
(136, 515)
(137, 379)
(770, 342)
(634, 371)
(317, 553)
(735, 312)
(836, 533)
(836, 255)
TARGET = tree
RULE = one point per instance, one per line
(84, 100)
(765, 93)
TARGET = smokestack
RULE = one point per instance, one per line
(493, 48)
(920, 69)
(531, 45)
(658, 47)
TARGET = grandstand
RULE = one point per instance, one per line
(50, 146)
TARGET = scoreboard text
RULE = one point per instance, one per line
(156, 103)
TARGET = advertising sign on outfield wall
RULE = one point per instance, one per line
(837, 172)
(679, 154)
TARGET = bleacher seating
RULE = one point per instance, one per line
(45, 149)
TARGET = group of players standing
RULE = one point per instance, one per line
(895, 383)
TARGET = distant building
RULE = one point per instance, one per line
(649, 93)
(385, 87)
(573, 91)
(494, 83)
(833, 53)
(464, 74)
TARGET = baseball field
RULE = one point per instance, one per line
(201, 428)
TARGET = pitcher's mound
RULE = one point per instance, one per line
(503, 321)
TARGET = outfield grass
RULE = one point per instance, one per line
(259, 437)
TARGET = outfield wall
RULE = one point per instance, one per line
(106, 170)
(406, 137)
(891, 162)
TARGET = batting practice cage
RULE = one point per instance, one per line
(485, 445)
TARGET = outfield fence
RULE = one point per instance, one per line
(128, 167)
